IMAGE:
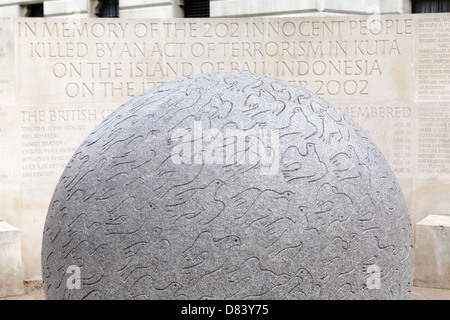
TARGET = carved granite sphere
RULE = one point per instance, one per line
(227, 186)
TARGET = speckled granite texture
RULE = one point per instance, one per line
(228, 186)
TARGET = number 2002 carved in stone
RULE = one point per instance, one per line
(228, 186)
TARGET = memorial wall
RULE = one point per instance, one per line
(59, 78)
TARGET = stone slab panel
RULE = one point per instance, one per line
(343, 58)
(162, 11)
(10, 200)
(392, 126)
(7, 75)
(62, 7)
(11, 11)
(432, 58)
(433, 252)
(11, 272)
(33, 153)
(246, 8)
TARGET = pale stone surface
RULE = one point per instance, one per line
(64, 7)
(8, 2)
(33, 290)
(161, 11)
(433, 252)
(420, 293)
(250, 8)
(218, 8)
(143, 3)
(7, 84)
(11, 270)
(167, 200)
(10, 200)
(12, 11)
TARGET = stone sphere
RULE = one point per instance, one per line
(227, 186)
